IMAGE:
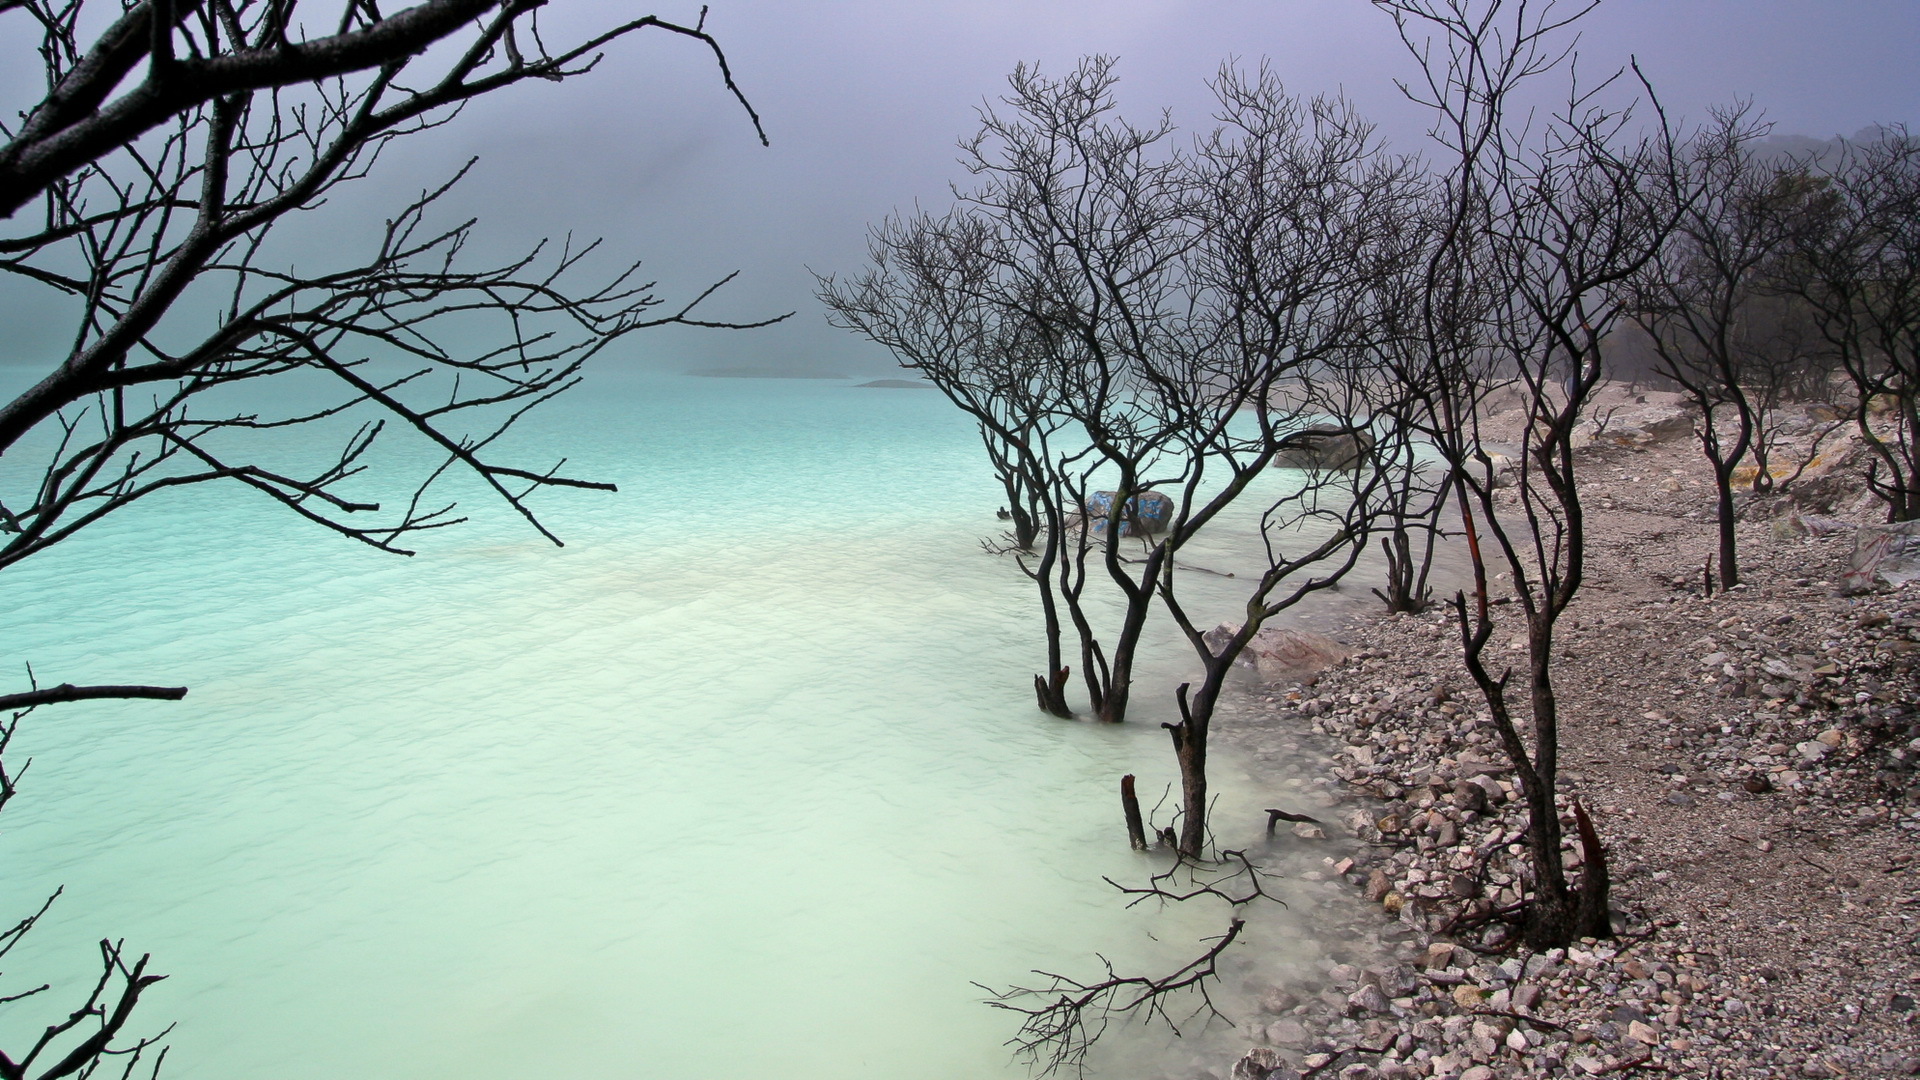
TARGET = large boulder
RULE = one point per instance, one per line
(1323, 448)
(1149, 512)
(1640, 427)
(1619, 414)
(1883, 554)
(1282, 654)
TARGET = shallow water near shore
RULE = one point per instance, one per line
(745, 781)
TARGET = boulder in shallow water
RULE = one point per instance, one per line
(1261, 1063)
(1324, 447)
(1149, 512)
(1282, 653)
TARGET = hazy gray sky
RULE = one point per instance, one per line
(864, 101)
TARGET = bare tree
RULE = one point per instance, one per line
(1294, 201)
(1856, 265)
(1094, 219)
(1694, 297)
(1155, 321)
(140, 194)
(1542, 227)
(161, 249)
(932, 295)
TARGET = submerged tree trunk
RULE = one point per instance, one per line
(1051, 688)
(1130, 808)
(1190, 749)
(1113, 708)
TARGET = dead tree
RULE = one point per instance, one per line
(1293, 197)
(1542, 225)
(932, 295)
(1427, 347)
(1696, 300)
(139, 195)
(1856, 265)
(1093, 214)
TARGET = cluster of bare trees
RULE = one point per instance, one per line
(1139, 328)
(1143, 326)
(140, 195)
(1171, 320)
(1787, 279)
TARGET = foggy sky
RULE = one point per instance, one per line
(864, 100)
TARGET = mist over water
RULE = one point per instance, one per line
(745, 781)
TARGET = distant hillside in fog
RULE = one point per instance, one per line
(1817, 151)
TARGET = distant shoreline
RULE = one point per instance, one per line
(765, 373)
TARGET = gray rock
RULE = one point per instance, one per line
(1883, 555)
(1627, 1014)
(1149, 512)
(1324, 447)
(1282, 654)
(1368, 999)
(1287, 1033)
(1468, 795)
(1279, 1000)
(1259, 1063)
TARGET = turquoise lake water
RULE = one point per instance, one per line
(744, 782)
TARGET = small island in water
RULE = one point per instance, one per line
(894, 384)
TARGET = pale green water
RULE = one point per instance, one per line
(744, 782)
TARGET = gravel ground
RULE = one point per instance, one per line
(1749, 762)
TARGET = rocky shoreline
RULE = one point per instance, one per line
(1748, 759)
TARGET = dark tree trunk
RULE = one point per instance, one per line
(1405, 579)
(1729, 558)
(1025, 529)
(1051, 688)
(1130, 807)
(1190, 750)
(1558, 915)
(1113, 708)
